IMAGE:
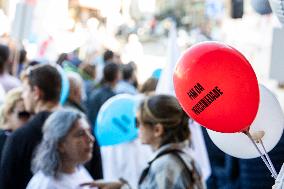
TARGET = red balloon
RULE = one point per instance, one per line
(217, 87)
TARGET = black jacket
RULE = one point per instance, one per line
(96, 100)
(3, 136)
(15, 168)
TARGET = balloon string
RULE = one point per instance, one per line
(268, 158)
(261, 155)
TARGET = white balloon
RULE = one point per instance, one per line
(269, 119)
(277, 7)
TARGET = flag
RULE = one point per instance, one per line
(166, 86)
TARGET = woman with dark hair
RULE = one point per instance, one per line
(164, 126)
(66, 145)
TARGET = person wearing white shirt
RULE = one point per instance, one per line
(67, 144)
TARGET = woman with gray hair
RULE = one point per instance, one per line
(67, 143)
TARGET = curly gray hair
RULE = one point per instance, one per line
(56, 127)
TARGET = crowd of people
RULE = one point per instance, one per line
(49, 144)
(45, 143)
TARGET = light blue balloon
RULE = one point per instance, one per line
(157, 73)
(64, 86)
(115, 122)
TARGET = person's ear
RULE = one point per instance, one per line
(158, 130)
(37, 92)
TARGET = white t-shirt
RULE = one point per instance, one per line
(63, 181)
(126, 160)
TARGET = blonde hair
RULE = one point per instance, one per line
(11, 99)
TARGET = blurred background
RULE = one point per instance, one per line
(141, 31)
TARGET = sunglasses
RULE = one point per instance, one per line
(24, 115)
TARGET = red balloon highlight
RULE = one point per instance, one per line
(217, 87)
